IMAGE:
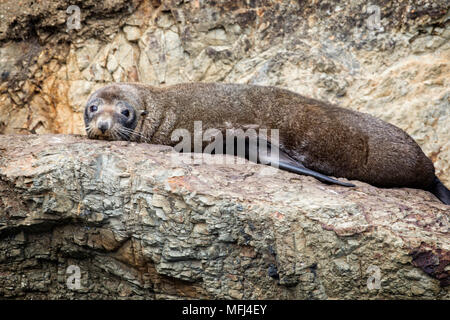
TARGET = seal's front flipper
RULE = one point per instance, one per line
(305, 171)
(275, 157)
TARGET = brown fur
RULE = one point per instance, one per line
(323, 137)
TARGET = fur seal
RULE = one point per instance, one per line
(315, 138)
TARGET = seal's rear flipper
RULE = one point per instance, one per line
(279, 159)
(440, 191)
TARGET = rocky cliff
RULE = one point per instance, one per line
(134, 224)
(387, 58)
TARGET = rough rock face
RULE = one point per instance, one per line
(137, 224)
(387, 58)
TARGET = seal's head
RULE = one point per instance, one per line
(111, 113)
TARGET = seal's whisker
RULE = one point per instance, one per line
(125, 133)
(130, 132)
(120, 134)
(89, 129)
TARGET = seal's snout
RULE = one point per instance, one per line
(103, 126)
(104, 123)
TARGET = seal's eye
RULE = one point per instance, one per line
(93, 108)
(126, 113)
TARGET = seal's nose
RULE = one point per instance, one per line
(103, 126)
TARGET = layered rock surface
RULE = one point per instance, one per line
(138, 224)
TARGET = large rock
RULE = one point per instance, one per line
(137, 224)
(396, 67)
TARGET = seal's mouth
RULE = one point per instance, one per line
(105, 137)
(111, 134)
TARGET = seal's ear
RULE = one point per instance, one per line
(143, 112)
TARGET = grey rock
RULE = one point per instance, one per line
(137, 228)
